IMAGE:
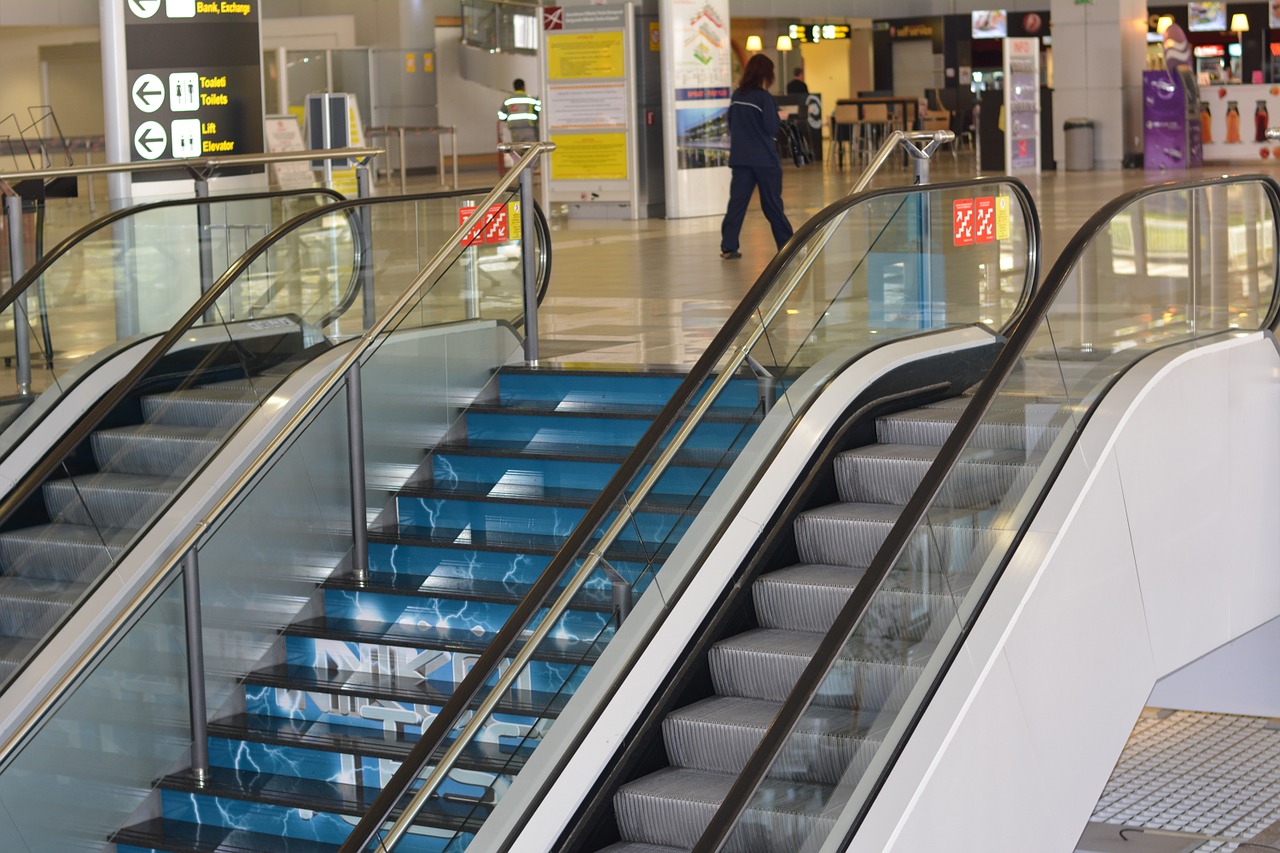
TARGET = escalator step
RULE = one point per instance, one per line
(29, 608)
(1000, 429)
(673, 807)
(765, 663)
(177, 836)
(61, 552)
(808, 597)
(206, 406)
(719, 735)
(850, 534)
(155, 449)
(459, 589)
(891, 473)
(108, 499)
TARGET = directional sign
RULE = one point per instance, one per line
(150, 140)
(143, 8)
(148, 93)
(492, 227)
(186, 137)
(184, 91)
(985, 225)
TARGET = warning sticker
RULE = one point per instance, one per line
(984, 225)
(492, 227)
(1003, 225)
(962, 221)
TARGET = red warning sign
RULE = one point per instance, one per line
(491, 229)
(553, 17)
(962, 219)
(984, 225)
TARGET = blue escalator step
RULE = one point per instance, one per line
(458, 588)
(179, 836)
(415, 559)
(511, 543)
(459, 466)
(615, 454)
(310, 809)
(657, 518)
(566, 649)
(381, 743)
(635, 385)
(373, 686)
(553, 428)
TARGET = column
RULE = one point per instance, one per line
(1099, 50)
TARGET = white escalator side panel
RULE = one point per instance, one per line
(650, 643)
(1156, 544)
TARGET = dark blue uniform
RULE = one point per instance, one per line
(754, 161)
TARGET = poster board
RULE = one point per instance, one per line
(697, 82)
(1022, 105)
(285, 134)
(588, 106)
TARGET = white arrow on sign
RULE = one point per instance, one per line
(148, 93)
(143, 8)
(150, 139)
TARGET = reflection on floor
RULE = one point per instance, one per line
(1191, 781)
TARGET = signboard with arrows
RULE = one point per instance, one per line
(195, 78)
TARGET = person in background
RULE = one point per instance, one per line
(797, 86)
(753, 157)
(519, 113)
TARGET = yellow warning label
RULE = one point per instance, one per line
(1003, 224)
(513, 220)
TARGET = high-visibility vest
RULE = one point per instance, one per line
(520, 110)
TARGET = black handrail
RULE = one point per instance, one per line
(36, 476)
(509, 634)
(753, 773)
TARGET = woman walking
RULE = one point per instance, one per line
(753, 156)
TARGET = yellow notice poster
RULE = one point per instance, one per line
(1003, 214)
(590, 157)
(580, 56)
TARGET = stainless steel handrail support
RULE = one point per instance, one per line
(920, 145)
(17, 267)
(195, 666)
(527, 258)
(355, 458)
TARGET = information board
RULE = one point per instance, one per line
(194, 74)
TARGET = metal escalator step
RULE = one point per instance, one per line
(673, 806)
(890, 474)
(206, 406)
(108, 499)
(765, 663)
(155, 449)
(30, 608)
(183, 837)
(850, 534)
(61, 552)
(1001, 429)
(808, 597)
(719, 734)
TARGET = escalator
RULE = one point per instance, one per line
(115, 457)
(321, 677)
(902, 681)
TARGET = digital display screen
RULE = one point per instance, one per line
(990, 24)
(1206, 17)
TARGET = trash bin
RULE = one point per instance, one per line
(1079, 144)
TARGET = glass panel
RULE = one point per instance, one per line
(123, 281)
(885, 267)
(290, 529)
(351, 74)
(1157, 274)
(308, 73)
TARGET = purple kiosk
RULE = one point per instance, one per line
(1171, 109)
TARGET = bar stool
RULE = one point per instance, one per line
(876, 125)
(844, 133)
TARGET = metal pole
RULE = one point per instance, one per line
(206, 237)
(17, 267)
(453, 152)
(403, 170)
(359, 508)
(440, 153)
(195, 667)
(364, 217)
(527, 261)
(325, 139)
